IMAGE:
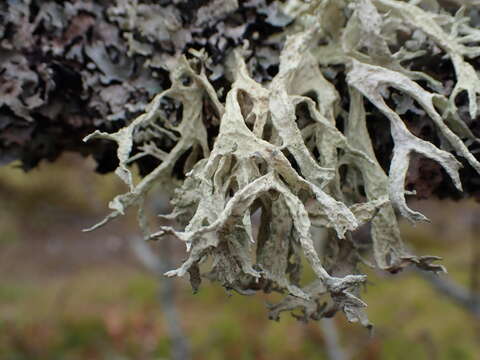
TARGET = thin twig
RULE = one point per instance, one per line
(158, 266)
(333, 347)
(458, 294)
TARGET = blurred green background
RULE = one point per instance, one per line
(70, 295)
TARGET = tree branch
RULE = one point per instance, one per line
(158, 266)
(453, 291)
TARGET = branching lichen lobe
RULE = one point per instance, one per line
(301, 172)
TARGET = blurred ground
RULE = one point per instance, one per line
(68, 295)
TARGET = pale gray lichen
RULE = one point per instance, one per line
(279, 151)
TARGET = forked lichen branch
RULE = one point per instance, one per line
(280, 152)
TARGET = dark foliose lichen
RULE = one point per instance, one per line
(68, 68)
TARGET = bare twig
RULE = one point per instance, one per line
(475, 254)
(158, 266)
(333, 347)
(453, 291)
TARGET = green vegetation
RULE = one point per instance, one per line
(110, 310)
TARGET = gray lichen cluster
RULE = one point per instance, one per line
(293, 156)
(70, 67)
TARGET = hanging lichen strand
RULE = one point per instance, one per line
(279, 153)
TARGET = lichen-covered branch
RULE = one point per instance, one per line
(298, 149)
